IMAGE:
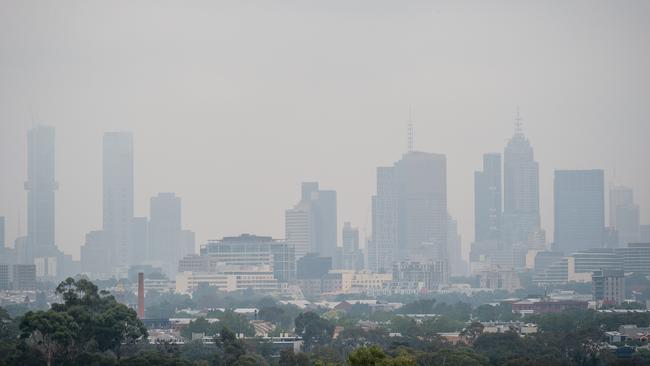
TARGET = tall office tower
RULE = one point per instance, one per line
(624, 215)
(40, 188)
(628, 224)
(409, 211)
(2, 232)
(139, 240)
(118, 194)
(579, 209)
(351, 253)
(487, 199)
(382, 248)
(457, 266)
(189, 242)
(644, 233)
(520, 190)
(618, 196)
(165, 233)
(311, 225)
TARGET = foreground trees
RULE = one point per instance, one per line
(88, 321)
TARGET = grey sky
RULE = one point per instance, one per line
(233, 104)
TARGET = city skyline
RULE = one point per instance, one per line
(198, 130)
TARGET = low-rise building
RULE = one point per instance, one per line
(230, 278)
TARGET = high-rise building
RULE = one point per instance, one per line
(118, 195)
(2, 232)
(352, 257)
(409, 211)
(628, 224)
(618, 196)
(579, 209)
(95, 254)
(189, 242)
(487, 199)
(40, 186)
(457, 266)
(165, 231)
(311, 225)
(139, 240)
(644, 233)
(520, 190)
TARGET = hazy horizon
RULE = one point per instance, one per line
(233, 104)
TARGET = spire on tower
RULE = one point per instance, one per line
(518, 119)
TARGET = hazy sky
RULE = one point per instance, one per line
(234, 103)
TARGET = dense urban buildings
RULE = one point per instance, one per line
(409, 211)
(579, 209)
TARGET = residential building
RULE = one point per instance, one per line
(499, 279)
(425, 274)
(609, 286)
(23, 277)
(579, 209)
(5, 277)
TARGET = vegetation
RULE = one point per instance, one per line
(89, 327)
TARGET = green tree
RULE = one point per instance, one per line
(313, 329)
(50, 332)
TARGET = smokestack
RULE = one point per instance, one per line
(141, 295)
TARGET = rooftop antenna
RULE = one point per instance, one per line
(518, 120)
(410, 132)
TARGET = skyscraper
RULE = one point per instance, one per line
(520, 189)
(311, 225)
(40, 187)
(409, 210)
(118, 194)
(165, 231)
(457, 266)
(351, 253)
(579, 209)
(624, 215)
(2, 232)
(618, 196)
(487, 199)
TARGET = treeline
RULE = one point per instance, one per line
(90, 327)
